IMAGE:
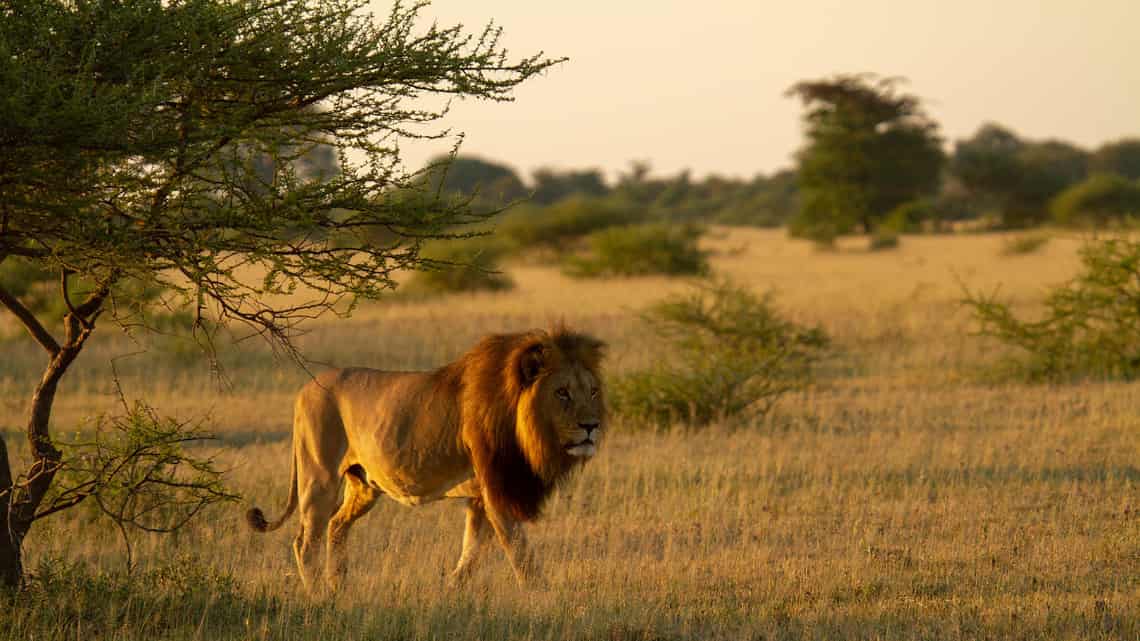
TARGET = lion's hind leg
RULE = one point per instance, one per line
(359, 497)
(318, 503)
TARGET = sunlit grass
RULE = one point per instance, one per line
(903, 497)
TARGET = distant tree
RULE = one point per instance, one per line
(1047, 169)
(127, 131)
(1121, 157)
(551, 186)
(987, 162)
(490, 182)
(869, 149)
(1017, 178)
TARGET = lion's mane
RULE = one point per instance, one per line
(515, 451)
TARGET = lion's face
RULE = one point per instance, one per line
(573, 402)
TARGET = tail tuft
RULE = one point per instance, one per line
(256, 519)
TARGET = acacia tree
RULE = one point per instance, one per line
(869, 149)
(128, 133)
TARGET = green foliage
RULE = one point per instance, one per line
(869, 150)
(1103, 198)
(140, 305)
(33, 283)
(1121, 158)
(1017, 178)
(1023, 244)
(491, 185)
(564, 222)
(462, 266)
(765, 202)
(1090, 327)
(640, 250)
(129, 146)
(725, 353)
(135, 469)
(883, 238)
(910, 217)
(181, 598)
(552, 186)
(821, 229)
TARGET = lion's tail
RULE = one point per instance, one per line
(256, 518)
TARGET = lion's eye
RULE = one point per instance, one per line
(563, 393)
(594, 392)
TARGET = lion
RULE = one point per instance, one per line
(501, 427)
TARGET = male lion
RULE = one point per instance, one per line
(499, 427)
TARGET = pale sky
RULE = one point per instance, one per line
(700, 85)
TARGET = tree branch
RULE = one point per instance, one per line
(37, 330)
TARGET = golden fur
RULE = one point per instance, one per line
(501, 427)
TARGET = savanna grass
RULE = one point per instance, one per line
(903, 496)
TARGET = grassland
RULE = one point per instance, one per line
(905, 496)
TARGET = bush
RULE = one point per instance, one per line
(183, 598)
(1023, 244)
(462, 266)
(640, 250)
(1090, 328)
(1100, 199)
(909, 217)
(566, 220)
(883, 238)
(726, 353)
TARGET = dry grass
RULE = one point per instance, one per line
(901, 498)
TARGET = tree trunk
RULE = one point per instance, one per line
(18, 506)
(11, 565)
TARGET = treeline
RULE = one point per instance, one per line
(765, 200)
(872, 161)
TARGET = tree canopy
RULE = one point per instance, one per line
(1121, 157)
(1014, 177)
(869, 149)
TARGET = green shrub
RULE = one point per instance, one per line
(1100, 199)
(555, 225)
(183, 598)
(1022, 244)
(884, 238)
(823, 232)
(464, 265)
(909, 217)
(1090, 328)
(725, 353)
(639, 250)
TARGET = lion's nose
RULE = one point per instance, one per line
(589, 427)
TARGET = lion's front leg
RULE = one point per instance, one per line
(512, 537)
(475, 536)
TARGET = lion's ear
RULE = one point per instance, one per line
(530, 364)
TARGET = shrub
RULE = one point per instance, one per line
(1022, 244)
(909, 217)
(883, 238)
(639, 250)
(182, 598)
(1100, 199)
(1090, 328)
(726, 353)
(566, 220)
(461, 266)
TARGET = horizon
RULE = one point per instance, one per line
(629, 93)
